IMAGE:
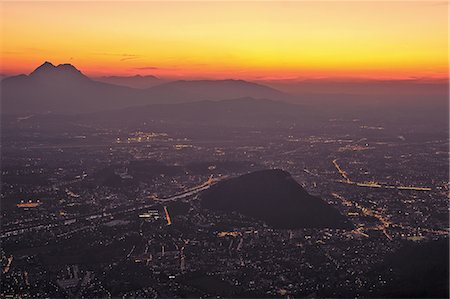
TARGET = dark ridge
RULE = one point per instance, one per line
(274, 197)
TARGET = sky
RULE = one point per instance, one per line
(255, 40)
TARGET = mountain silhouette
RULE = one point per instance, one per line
(65, 89)
(197, 90)
(136, 81)
(274, 197)
(50, 72)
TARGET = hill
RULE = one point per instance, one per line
(274, 197)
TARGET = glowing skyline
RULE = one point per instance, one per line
(247, 40)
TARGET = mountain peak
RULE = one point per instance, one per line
(67, 67)
(50, 71)
(45, 67)
(47, 63)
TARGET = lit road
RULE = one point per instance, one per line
(169, 222)
(343, 173)
(374, 184)
(384, 222)
(194, 190)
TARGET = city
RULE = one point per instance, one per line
(123, 218)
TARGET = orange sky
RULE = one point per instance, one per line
(233, 39)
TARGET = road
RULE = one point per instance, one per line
(191, 191)
(169, 222)
(347, 180)
(384, 222)
(343, 173)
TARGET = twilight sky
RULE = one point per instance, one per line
(233, 39)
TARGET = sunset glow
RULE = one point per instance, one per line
(247, 40)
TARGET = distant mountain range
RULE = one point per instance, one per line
(64, 89)
(188, 91)
(136, 81)
(274, 197)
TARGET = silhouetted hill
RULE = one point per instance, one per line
(274, 197)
